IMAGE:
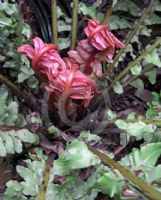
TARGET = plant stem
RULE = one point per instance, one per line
(133, 78)
(130, 36)
(74, 24)
(107, 15)
(146, 121)
(9, 84)
(135, 62)
(158, 110)
(147, 189)
(54, 21)
(43, 188)
(9, 128)
(25, 96)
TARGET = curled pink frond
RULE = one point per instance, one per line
(84, 88)
(27, 49)
(46, 60)
(100, 37)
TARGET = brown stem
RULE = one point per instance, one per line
(158, 110)
(54, 21)
(133, 78)
(9, 128)
(119, 150)
(147, 189)
(3, 53)
(43, 188)
(135, 62)
(146, 121)
(107, 15)
(9, 84)
(62, 107)
(74, 24)
(25, 96)
(130, 36)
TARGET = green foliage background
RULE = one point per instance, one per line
(13, 33)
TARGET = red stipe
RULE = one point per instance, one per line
(38, 56)
(70, 77)
(96, 30)
(87, 68)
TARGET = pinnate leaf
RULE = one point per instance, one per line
(146, 156)
(76, 156)
(135, 129)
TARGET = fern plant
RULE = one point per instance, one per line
(13, 32)
(69, 164)
(73, 82)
